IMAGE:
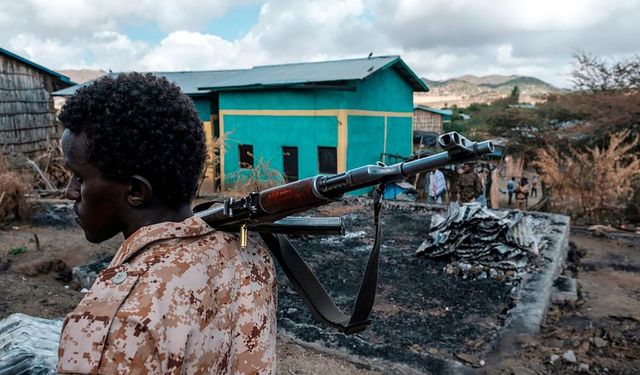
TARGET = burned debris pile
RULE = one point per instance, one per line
(482, 243)
(87, 274)
(29, 345)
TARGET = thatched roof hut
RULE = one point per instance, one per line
(27, 116)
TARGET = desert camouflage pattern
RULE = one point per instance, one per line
(177, 298)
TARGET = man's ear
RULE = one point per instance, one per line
(140, 191)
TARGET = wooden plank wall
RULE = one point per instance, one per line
(27, 118)
(427, 121)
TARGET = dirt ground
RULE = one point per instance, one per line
(602, 328)
(35, 279)
(36, 261)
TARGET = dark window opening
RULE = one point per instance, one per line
(246, 156)
(290, 163)
(327, 160)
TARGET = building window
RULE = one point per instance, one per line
(327, 160)
(246, 156)
(290, 163)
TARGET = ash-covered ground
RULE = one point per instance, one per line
(421, 315)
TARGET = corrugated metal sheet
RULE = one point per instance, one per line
(443, 112)
(312, 72)
(283, 75)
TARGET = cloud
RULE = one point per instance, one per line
(184, 50)
(438, 38)
(62, 18)
(53, 52)
(314, 29)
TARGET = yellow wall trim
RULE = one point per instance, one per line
(343, 132)
(319, 112)
(357, 112)
(222, 152)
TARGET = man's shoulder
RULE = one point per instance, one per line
(212, 250)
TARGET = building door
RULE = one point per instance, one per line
(290, 163)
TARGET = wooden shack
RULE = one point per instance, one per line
(27, 115)
(426, 119)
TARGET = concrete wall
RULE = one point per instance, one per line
(268, 134)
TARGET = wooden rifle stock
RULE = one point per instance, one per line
(268, 206)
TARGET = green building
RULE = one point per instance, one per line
(307, 118)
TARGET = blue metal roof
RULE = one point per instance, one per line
(284, 75)
(442, 112)
(37, 66)
(314, 72)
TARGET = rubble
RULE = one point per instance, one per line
(470, 359)
(583, 367)
(29, 345)
(565, 290)
(569, 356)
(84, 276)
(484, 243)
(599, 342)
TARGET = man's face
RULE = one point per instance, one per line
(100, 204)
(466, 168)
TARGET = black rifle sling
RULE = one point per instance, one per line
(311, 290)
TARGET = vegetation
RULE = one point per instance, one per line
(18, 250)
(577, 140)
(212, 164)
(13, 203)
(600, 194)
(262, 176)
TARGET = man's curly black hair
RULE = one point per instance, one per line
(141, 124)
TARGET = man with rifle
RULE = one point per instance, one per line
(192, 293)
(178, 297)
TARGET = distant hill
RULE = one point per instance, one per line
(82, 75)
(468, 89)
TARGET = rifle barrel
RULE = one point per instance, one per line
(281, 201)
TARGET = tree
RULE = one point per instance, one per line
(592, 73)
(515, 95)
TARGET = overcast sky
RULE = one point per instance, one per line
(439, 39)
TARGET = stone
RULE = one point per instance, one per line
(569, 356)
(292, 310)
(470, 359)
(565, 290)
(554, 358)
(599, 342)
(583, 367)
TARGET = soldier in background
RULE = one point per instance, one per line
(451, 175)
(469, 184)
(522, 194)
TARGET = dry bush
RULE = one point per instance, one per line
(212, 164)
(261, 177)
(597, 183)
(13, 203)
(51, 163)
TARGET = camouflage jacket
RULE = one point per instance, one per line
(177, 298)
(469, 186)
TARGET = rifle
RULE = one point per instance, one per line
(269, 213)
